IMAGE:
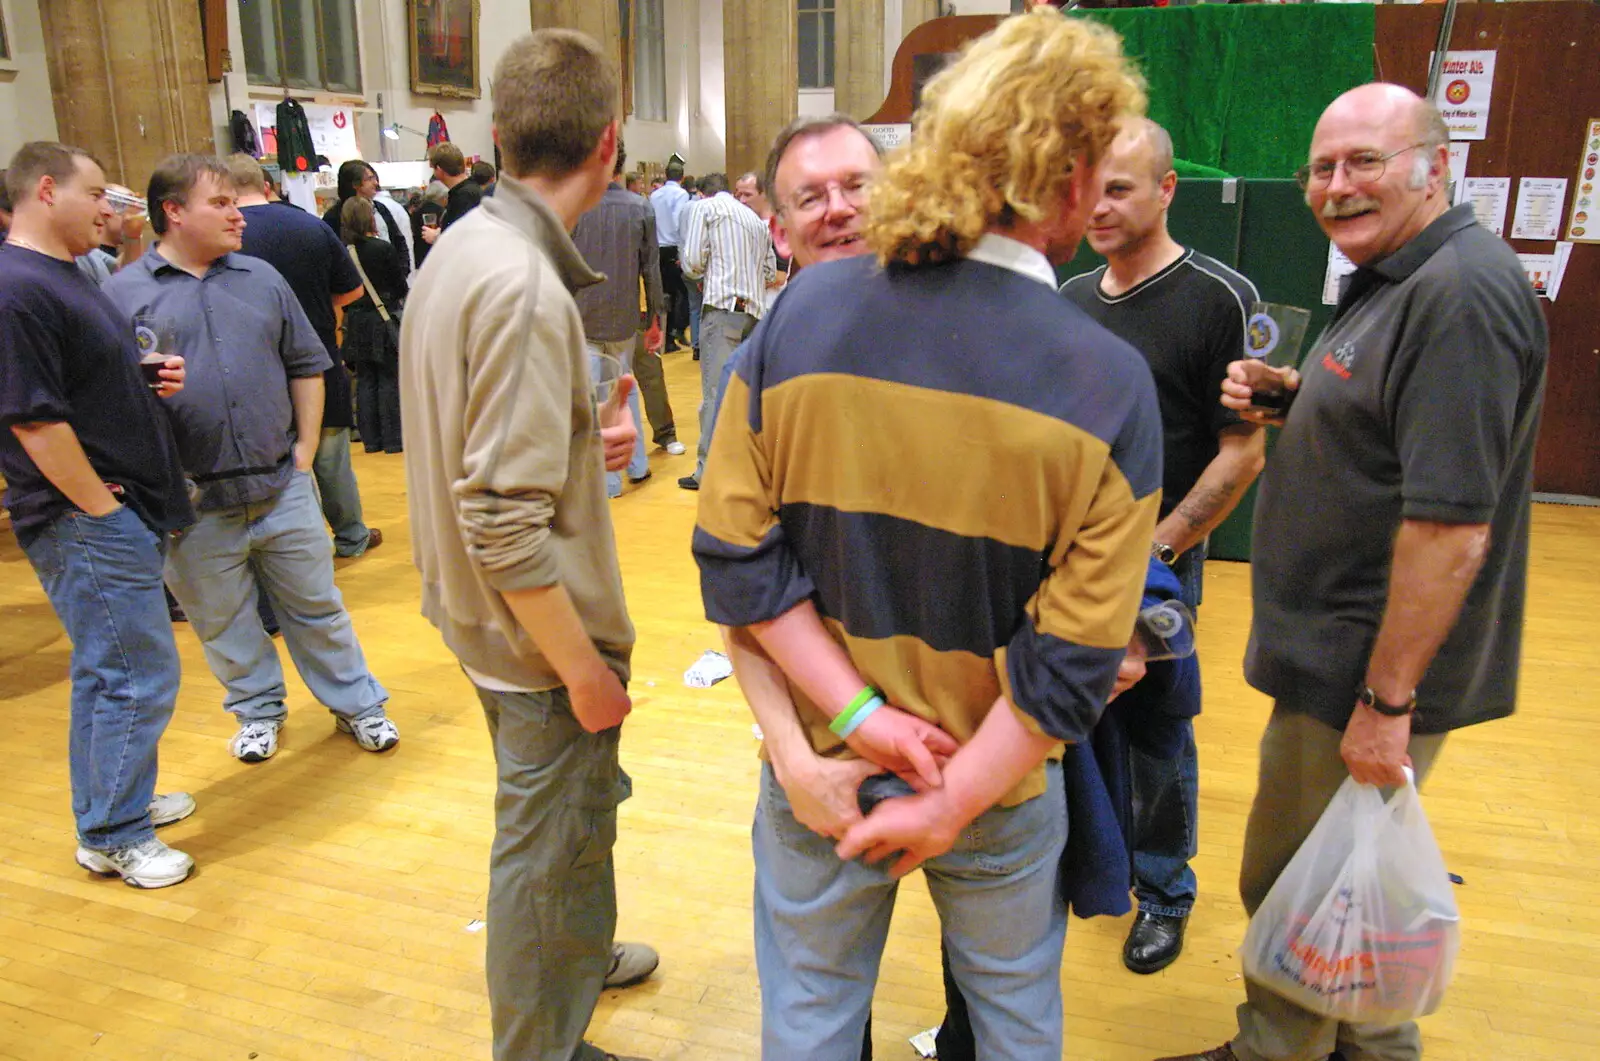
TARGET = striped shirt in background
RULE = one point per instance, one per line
(727, 243)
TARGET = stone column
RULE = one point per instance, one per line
(914, 13)
(858, 57)
(600, 19)
(128, 78)
(761, 77)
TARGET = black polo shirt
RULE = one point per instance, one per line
(68, 356)
(1188, 321)
(463, 198)
(1420, 401)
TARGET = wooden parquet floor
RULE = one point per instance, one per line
(330, 917)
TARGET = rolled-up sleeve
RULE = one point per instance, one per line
(518, 424)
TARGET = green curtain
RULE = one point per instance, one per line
(1240, 87)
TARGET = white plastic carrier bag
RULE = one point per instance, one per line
(1362, 925)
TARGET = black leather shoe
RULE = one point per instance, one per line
(1154, 943)
(689, 482)
(1217, 1053)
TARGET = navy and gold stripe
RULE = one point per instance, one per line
(960, 469)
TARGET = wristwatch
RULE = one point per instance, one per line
(1368, 698)
(1164, 552)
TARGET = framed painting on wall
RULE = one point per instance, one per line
(444, 47)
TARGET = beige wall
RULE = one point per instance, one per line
(694, 83)
(26, 110)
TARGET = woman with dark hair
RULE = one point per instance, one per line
(357, 179)
(371, 342)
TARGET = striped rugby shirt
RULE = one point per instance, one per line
(961, 469)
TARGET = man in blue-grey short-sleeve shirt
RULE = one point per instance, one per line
(247, 429)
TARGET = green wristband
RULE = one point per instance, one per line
(841, 723)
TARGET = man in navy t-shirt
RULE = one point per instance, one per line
(320, 274)
(94, 486)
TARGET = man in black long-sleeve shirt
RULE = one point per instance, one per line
(450, 169)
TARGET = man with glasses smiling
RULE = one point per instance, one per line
(1390, 559)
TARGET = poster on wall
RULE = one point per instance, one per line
(889, 137)
(1539, 203)
(333, 131)
(1339, 267)
(1458, 172)
(1489, 197)
(1466, 83)
(1584, 225)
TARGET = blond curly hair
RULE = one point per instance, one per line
(999, 133)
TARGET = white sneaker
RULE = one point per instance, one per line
(255, 742)
(676, 448)
(150, 864)
(375, 733)
(173, 807)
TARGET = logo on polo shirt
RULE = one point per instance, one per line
(1341, 360)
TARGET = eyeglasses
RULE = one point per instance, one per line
(814, 199)
(1364, 167)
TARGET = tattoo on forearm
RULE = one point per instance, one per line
(1204, 503)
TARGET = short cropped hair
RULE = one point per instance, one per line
(712, 183)
(555, 92)
(674, 171)
(483, 173)
(803, 128)
(37, 160)
(175, 177)
(1160, 142)
(248, 175)
(447, 157)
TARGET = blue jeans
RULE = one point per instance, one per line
(341, 498)
(215, 569)
(697, 297)
(639, 463)
(103, 578)
(552, 885)
(1166, 798)
(821, 924)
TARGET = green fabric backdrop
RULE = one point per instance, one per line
(1240, 87)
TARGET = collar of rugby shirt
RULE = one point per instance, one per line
(1007, 253)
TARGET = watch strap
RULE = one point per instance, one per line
(1372, 700)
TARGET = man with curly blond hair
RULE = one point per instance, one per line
(985, 589)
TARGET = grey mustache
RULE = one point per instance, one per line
(1354, 205)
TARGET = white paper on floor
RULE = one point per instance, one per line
(923, 1043)
(711, 668)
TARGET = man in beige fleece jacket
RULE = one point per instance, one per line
(506, 456)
